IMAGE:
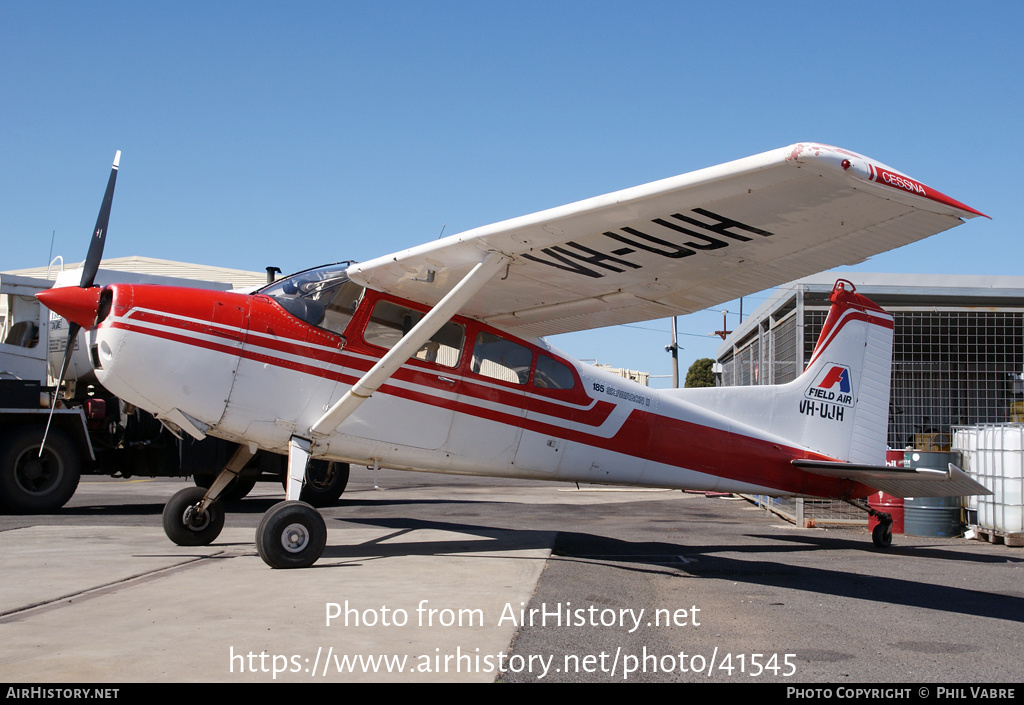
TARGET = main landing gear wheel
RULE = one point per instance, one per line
(881, 535)
(291, 535)
(185, 525)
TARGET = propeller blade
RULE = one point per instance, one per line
(69, 348)
(99, 233)
(89, 269)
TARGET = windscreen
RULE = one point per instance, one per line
(322, 297)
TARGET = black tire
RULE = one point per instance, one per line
(186, 528)
(236, 490)
(291, 535)
(325, 482)
(30, 484)
(881, 535)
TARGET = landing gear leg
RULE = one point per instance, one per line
(193, 516)
(881, 535)
(292, 534)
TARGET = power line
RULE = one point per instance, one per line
(659, 330)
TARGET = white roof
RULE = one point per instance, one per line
(893, 289)
(237, 278)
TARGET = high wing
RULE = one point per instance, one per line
(677, 245)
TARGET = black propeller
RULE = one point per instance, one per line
(89, 269)
(99, 233)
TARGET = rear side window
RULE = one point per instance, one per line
(552, 374)
(389, 322)
(494, 356)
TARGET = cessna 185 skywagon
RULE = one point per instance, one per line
(432, 358)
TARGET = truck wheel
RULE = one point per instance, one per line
(30, 484)
(186, 527)
(325, 482)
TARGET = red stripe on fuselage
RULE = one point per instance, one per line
(643, 434)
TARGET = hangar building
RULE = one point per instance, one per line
(168, 271)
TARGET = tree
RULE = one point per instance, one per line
(700, 373)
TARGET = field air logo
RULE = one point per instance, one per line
(833, 385)
(830, 394)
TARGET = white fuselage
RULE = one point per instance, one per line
(241, 368)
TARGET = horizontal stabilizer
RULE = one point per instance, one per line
(899, 482)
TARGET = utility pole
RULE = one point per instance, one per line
(674, 349)
(724, 333)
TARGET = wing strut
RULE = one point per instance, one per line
(440, 314)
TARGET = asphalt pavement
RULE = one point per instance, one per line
(430, 578)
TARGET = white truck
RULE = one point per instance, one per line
(93, 432)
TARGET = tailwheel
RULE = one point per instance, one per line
(291, 535)
(186, 525)
(881, 535)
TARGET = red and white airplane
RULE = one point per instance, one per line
(432, 358)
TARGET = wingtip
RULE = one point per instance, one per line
(117, 158)
(868, 169)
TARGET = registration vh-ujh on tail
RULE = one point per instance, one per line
(434, 358)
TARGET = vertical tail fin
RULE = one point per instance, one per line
(839, 406)
(844, 392)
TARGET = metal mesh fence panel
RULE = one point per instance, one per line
(950, 368)
(784, 362)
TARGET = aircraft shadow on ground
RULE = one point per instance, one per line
(706, 561)
(98, 509)
(250, 505)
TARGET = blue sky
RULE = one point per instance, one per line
(292, 134)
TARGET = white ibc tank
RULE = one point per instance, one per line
(994, 456)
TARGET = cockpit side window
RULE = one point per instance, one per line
(389, 322)
(341, 307)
